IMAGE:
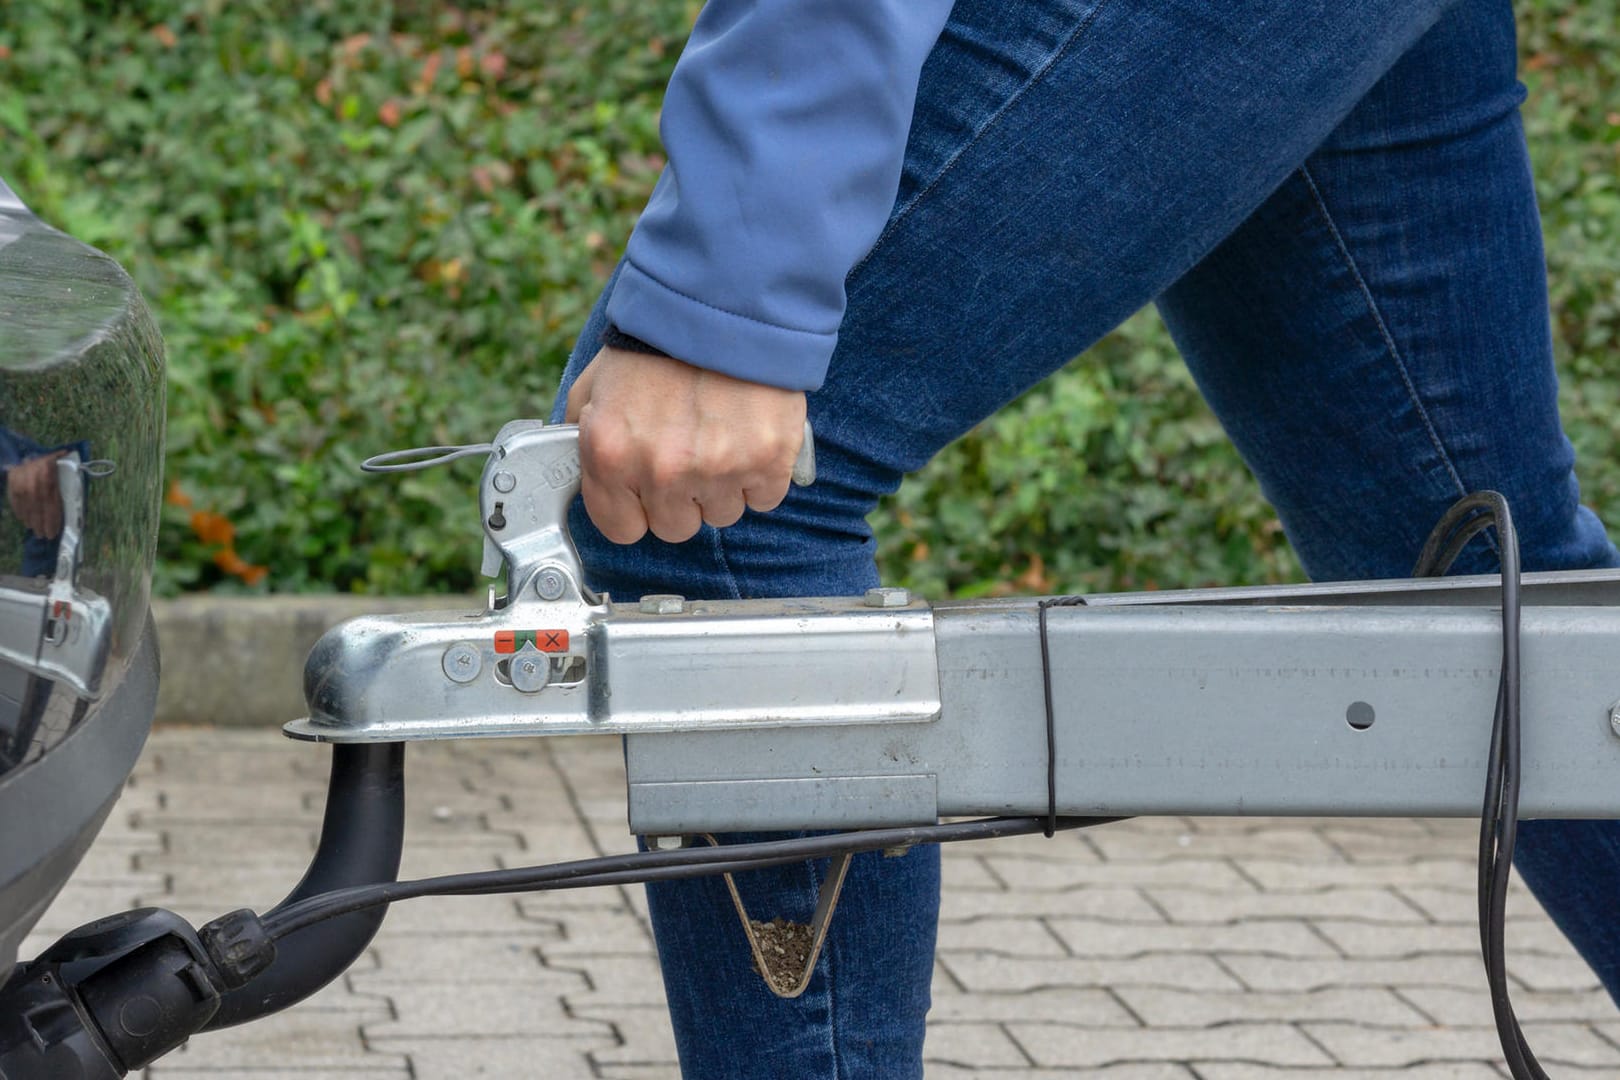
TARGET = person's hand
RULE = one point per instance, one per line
(35, 499)
(665, 446)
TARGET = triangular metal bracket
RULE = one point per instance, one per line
(826, 901)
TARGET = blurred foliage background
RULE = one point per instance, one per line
(368, 226)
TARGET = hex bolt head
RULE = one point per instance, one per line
(662, 604)
(530, 671)
(504, 481)
(885, 596)
(550, 583)
(463, 662)
(666, 843)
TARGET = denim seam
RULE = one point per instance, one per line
(1383, 331)
(717, 547)
(830, 949)
(978, 136)
(724, 311)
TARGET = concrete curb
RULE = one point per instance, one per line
(232, 661)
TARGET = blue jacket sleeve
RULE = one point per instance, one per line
(785, 126)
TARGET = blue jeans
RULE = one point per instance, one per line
(1332, 206)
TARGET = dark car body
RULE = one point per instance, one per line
(81, 440)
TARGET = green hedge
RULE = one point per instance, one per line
(373, 226)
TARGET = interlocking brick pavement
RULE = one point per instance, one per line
(1155, 949)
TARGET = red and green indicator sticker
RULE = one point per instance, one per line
(546, 641)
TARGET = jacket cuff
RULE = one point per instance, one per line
(614, 338)
(709, 337)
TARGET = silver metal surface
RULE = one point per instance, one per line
(884, 596)
(715, 664)
(1182, 709)
(662, 604)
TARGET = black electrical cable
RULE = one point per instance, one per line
(1051, 723)
(650, 866)
(1499, 817)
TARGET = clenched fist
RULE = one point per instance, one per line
(665, 446)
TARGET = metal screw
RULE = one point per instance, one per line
(884, 596)
(1614, 718)
(550, 583)
(666, 843)
(662, 604)
(530, 673)
(504, 482)
(463, 662)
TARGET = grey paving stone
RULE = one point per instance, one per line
(1564, 971)
(1092, 937)
(458, 914)
(162, 1070)
(1080, 1007)
(424, 860)
(1083, 1048)
(532, 1008)
(229, 843)
(1006, 937)
(607, 932)
(1375, 905)
(459, 958)
(646, 1037)
(980, 1046)
(1281, 973)
(1044, 875)
(1456, 902)
(958, 872)
(1470, 1070)
(505, 1057)
(1455, 872)
(978, 972)
(544, 840)
(1296, 840)
(1472, 1006)
(1365, 940)
(1379, 847)
(295, 1039)
(211, 800)
(1353, 1044)
(1119, 904)
(613, 980)
(1162, 1007)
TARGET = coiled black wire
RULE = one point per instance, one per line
(1499, 818)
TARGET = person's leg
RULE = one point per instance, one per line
(1375, 339)
(1068, 161)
